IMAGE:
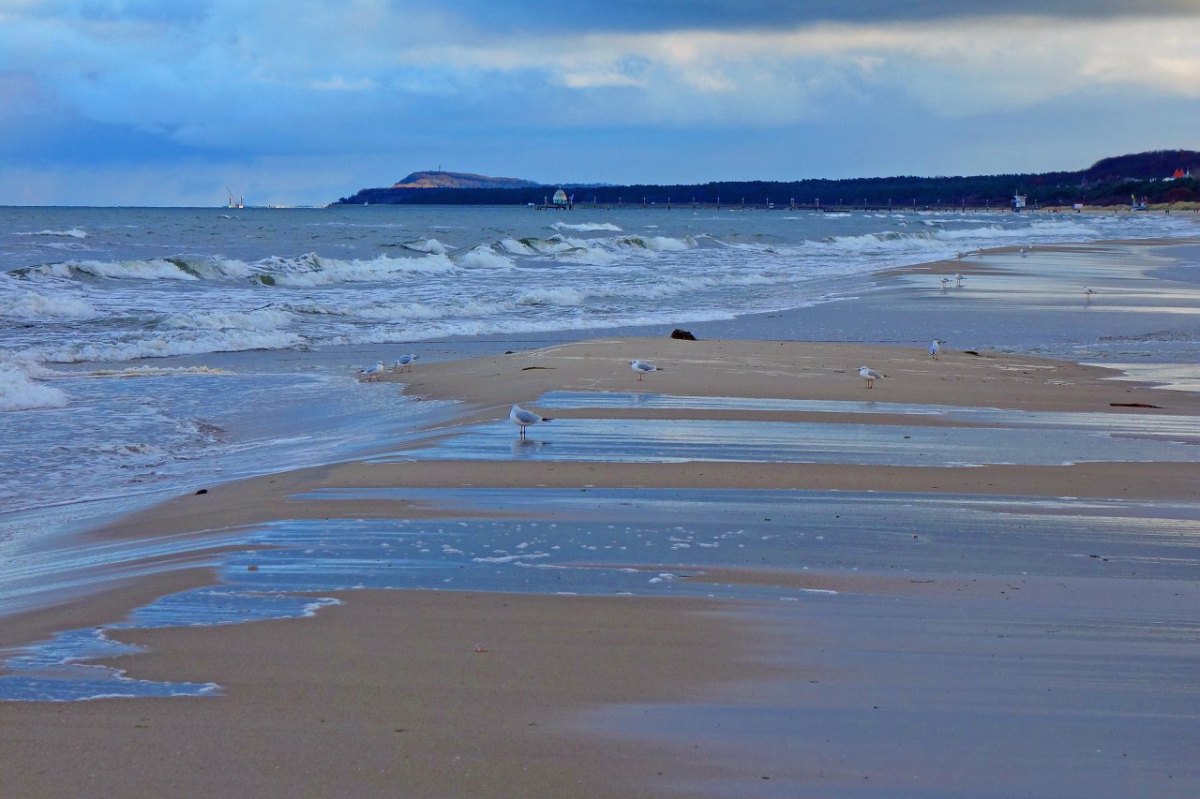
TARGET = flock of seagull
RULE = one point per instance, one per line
(403, 364)
(958, 281)
(1088, 292)
(524, 418)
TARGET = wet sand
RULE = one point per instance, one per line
(386, 695)
(930, 681)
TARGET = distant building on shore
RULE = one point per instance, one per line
(559, 202)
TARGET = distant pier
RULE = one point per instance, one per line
(768, 205)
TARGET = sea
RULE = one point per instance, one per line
(150, 351)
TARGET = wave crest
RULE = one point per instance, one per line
(587, 226)
(30, 306)
(20, 391)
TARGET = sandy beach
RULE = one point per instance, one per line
(976, 578)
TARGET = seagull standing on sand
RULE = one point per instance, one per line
(523, 418)
(642, 367)
(945, 283)
(870, 375)
(935, 348)
(372, 372)
(404, 363)
(958, 279)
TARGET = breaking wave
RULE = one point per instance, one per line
(20, 390)
(429, 246)
(29, 306)
(73, 233)
(587, 226)
(130, 348)
(485, 257)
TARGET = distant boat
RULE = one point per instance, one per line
(231, 203)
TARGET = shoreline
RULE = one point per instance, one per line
(716, 657)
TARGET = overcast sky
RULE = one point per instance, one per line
(168, 102)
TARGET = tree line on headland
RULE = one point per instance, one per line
(1161, 176)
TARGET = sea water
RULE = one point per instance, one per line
(148, 351)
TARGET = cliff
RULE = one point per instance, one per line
(459, 180)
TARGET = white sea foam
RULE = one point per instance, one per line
(157, 371)
(551, 246)
(588, 256)
(175, 268)
(182, 343)
(515, 247)
(261, 319)
(141, 450)
(154, 269)
(20, 391)
(658, 243)
(484, 257)
(73, 233)
(413, 311)
(552, 296)
(328, 271)
(30, 306)
(587, 226)
(431, 246)
(510, 558)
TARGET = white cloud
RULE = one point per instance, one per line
(337, 83)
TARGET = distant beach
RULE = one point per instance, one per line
(746, 574)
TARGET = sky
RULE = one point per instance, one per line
(301, 102)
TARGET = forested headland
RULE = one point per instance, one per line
(1161, 176)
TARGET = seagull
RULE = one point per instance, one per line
(523, 418)
(934, 349)
(372, 372)
(642, 367)
(958, 279)
(945, 283)
(1088, 292)
(404, 363)
(870, 375)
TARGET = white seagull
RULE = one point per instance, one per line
(870, 375)
(372, 372)
(642, 367)
(934, 348)
(523, 418)
(958, 279)
(404, 363)
(945, 283)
